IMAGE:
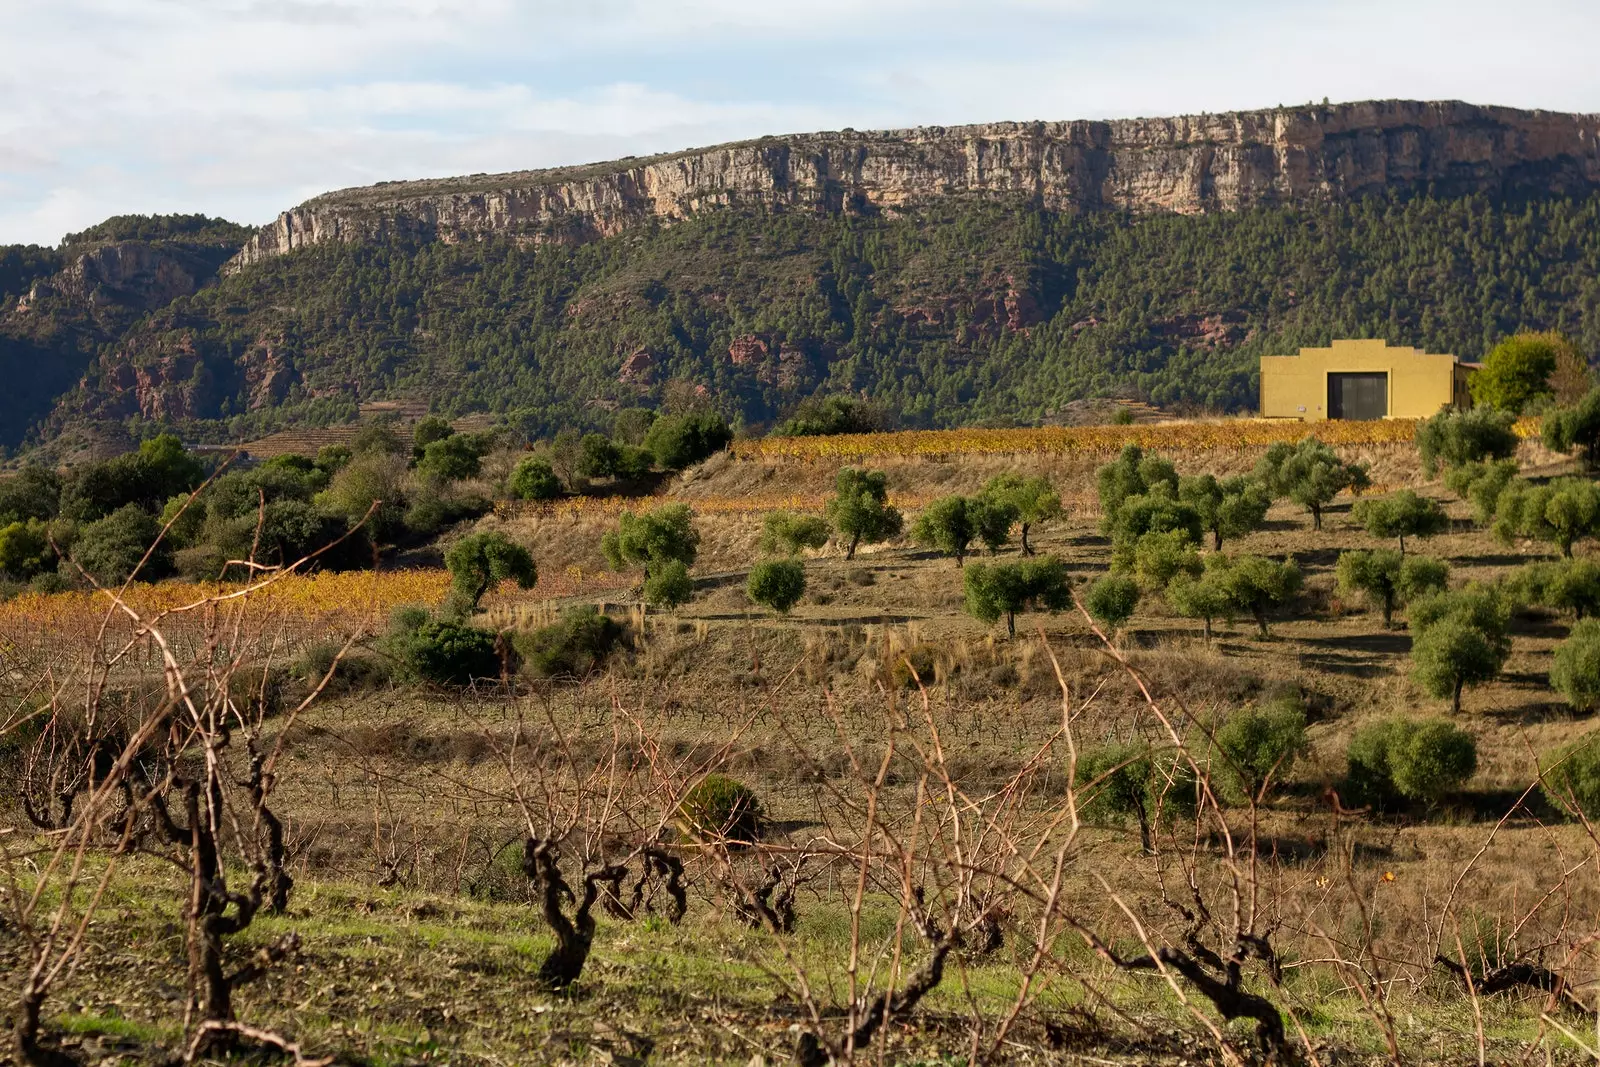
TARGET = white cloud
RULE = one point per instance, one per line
(245, 107)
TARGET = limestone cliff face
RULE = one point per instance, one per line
(1187, 165)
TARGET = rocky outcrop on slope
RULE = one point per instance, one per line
(1188, 165)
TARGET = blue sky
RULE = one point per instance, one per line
(244, 108)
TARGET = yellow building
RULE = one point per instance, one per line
(1362, 380)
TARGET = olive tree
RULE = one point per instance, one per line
(1481, 483)
(860, 510)
(1260, 745)
(947, 526)
(1401, 515)
(1131, 474)
(992, 518)
(1571, 776)
(1561, 512)
(1111, 600)
(1229, 507)
(1205, 596)
(533, 479)
(1575, 428)
(481, 561)
(1453, 438)
(1567, 585)
(1575, 674)
(1460, 640)
(1260, 586)
(1309, 473)
(1160, 558)
(1034, 499)
(777, 584)
(1389, 579)
(652, 540)
(1001, 590)
(1420, 760)
(1114, 781)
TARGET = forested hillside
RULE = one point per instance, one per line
(963, 311)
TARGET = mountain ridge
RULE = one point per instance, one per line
(1192, 164)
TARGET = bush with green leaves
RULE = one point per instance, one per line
(1259, 586)
(1001, 590)
(1388, 579)
(25, 550)
(1577, 427)
(1206, 596)
(1309, 473)
(653, 540)
(1111, 600)
(721, 810)
(1481, 484)
(860, 510)
(1228, 507)
(377, 438)
(1570, 776)
(160, 469)
(1561, 512)
(533, 479)
(668, 585)
(1417, 760)
(679, 441)
(784, 533)
(823, 416)
(481, 561)
(1034, 499)
(1459, 639)
(1158, 511)
(947, 526)
(1575, 672)
(111, 549)
(429, 428)
(573, 647)
(1452, 439)
(1567, 585)
(454, 458)
(368, 489)
(439, 650)
(34, 492)
(1401, 515)
(1161, 558)
(777, 584)
(992, 517)
(1133, 473)
(1259, 747)
(1516, 373)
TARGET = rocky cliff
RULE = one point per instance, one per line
(1188, 165)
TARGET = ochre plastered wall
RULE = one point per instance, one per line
(1420, 383)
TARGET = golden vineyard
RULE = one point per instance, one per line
(1083, 440)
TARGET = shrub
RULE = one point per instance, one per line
(860, 509)
(785, 533)
(1455, 438)
(1228, 508)
(1112, 600)
(992, 518)
(429, 428)
(679, 441)
(1158, 511)
(372, 478)
(377, 438)
(439, 650)
(573, 647)
(1205, 597)
(25, 549)
(1452, 653)
(1575, 674)
(917, 665)
(112, 548)
(1261, 746)
(533, 479)
(356, 671)
(32, 493)
(453, 458)
(1001, 590)
(1405, 759)
(828, 415)
(946, 525)
(1571, 776)
(1034, 499)
(669, 585)
(1311, 474)
(720, 809)
(1401, 515)
(777, 584)
(1561, 512)
(479, 562)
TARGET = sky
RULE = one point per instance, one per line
(245, 108)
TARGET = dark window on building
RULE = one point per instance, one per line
(1358, 396)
